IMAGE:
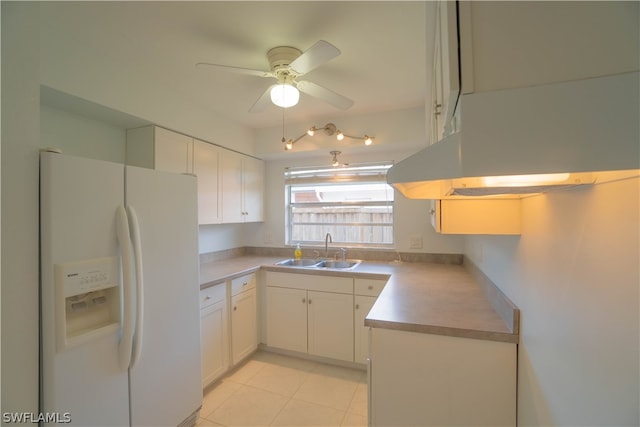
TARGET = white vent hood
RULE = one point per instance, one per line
(518, 141)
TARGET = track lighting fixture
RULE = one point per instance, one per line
(330, 130)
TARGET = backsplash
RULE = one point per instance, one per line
(310, 252)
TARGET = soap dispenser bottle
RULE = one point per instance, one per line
(297, 254)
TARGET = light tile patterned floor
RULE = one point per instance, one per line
(275, 390)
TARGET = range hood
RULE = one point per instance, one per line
(521, 141)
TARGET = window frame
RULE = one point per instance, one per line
(371, 173)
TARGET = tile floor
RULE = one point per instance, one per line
(275, 390)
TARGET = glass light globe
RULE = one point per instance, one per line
(284, 95)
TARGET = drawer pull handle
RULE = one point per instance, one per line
(207, 298)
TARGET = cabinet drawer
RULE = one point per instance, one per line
(369, 287)
(243, 283)
(212, 295)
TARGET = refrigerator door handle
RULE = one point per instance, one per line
(127, 329)
(137, 249)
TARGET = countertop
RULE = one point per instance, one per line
(440, 299)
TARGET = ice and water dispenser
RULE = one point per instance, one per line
(88, 300)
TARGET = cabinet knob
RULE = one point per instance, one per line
(309, 300)
(244, 283)
(235, 308)
(207, 298)
(357, 306)
(370, 287)
(304, 300)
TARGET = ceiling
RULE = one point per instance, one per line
(154, 46)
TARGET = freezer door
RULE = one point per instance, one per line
(80, 284)
(165, 384)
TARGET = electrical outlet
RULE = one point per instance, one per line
(415, 242)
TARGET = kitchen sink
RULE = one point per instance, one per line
(304, 262)
(343, 265)
(320, 263)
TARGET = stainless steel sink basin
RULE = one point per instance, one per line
(304, 262)
(343, 265)
(319, 263)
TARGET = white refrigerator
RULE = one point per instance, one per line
(120, 331)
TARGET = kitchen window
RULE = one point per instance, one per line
(353, 203)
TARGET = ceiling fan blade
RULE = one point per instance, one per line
(248, 71)
(262, 102)
(325, 94)
(315, 56)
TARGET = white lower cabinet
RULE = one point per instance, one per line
(366, 292)
(436, 380)
(361, 339)
(227, 337)
(330, 325)
(244, 326)
(287, 318)
(213, 333)
(310, 314)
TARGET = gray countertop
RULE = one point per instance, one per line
(441, 299)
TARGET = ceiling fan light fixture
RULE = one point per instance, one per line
(368, 140)
(284, 95)
(339, 136)
(311, 131)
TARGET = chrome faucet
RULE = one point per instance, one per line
(327, 239)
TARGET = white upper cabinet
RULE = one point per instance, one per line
(253, 188)
(445, 87)
(206, 167)
(243, 188)
(157, 148)
(230, 184)
(506, 45)
(490, 46)
(173, 152)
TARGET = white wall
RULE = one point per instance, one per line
(411, 216)
(219, 237)
(574, 275)
(20, 143)
(81, 136)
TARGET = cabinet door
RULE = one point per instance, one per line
(231, 167)
(205, 167)
(361, 343)
(253, 187)
(330, 325)
(213, 339)
(244, 328)
(173, 151)
(445, 87)
(287, 318)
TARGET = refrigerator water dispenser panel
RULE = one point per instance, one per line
(88, 300)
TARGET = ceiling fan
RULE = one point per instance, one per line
(287, 64)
